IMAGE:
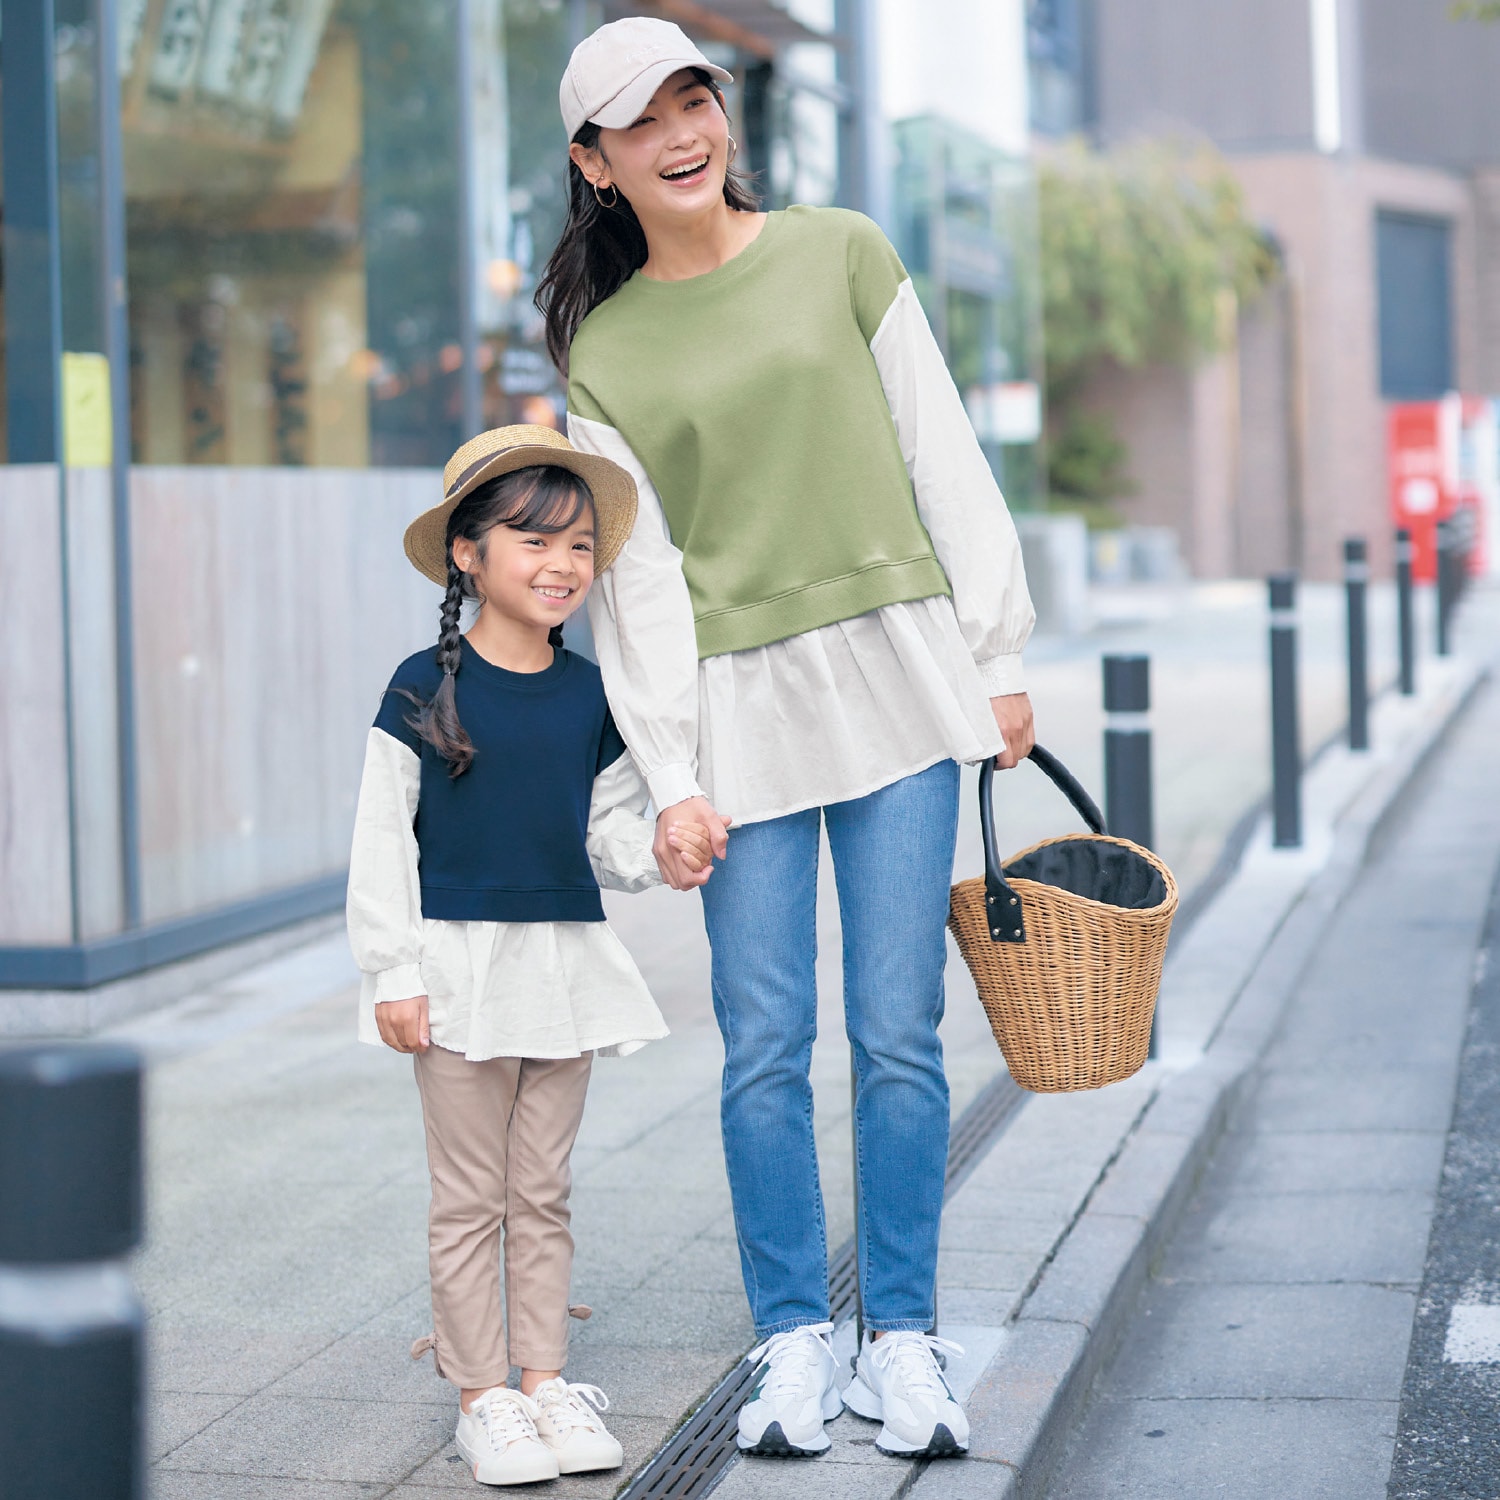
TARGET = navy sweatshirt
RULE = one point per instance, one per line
(504, 842)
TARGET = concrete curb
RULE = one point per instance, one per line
(1025, 1403)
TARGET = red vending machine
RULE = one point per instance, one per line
(1442, 458)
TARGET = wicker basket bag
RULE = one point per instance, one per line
(1065, 943)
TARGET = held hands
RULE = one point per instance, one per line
(403, 1024)
(1013, 716)
(689, 837)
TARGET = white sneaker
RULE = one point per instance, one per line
(794, 1394)
(499, 1440)
(568, 1423)
(897, 1382)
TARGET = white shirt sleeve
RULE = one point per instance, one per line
(384, 904)
(642, 619)
(957, 497)
(620, 834)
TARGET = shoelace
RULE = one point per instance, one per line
(507, 1415)
(790, 1356)
(914, 1357)
(570, 1406)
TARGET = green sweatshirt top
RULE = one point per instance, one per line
(751, 398)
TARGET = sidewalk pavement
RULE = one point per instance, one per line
(285, 1270)
(1278, 1320)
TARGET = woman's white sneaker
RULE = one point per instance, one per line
(794, 1394)
(498, 1439)
(568, 1423)
(897, 1383)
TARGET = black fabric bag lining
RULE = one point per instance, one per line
(1096, 870)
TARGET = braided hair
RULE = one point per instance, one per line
(543, 498)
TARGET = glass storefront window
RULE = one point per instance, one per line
(293, 208)
(966, 228)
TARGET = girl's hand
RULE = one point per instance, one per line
(403, 1024)
(675, 870)
(691, 841)
(1013, 716)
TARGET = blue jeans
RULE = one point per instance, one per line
(893, 861)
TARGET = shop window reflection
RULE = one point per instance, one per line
(291, 184)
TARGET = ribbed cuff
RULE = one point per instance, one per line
(404, 982)
(1002, 675)
(673, 784)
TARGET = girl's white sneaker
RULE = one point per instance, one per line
(498, 1439)
(568, 1423)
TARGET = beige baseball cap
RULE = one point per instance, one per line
(613, 73)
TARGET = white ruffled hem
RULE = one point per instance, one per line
(854, 706)
(528, 989)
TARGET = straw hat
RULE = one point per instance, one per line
(503, 450)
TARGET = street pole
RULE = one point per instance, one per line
(1444, 589)
(1405, 624)
(1356, 583)
(1128, 808)
(1286, 755)
(72, 1330)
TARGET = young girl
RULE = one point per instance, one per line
(496, 791)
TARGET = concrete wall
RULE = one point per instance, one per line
(270, 606)
(1431, 85)
(1238, 72)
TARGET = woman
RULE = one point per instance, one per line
(819, 615)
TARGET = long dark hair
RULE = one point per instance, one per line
(541, 498)
(601, 248)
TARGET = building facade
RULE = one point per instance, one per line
(265, 264)
(1366, 136)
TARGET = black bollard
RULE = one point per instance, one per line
(1444, 590)
(1356, 584)
(1405, 622)
(72, 1331)
(1286, 753)
(1128, 810)
(1127, 748)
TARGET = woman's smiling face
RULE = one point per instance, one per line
(671, 161)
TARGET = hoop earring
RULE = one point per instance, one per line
(614, 200)
(734, 148)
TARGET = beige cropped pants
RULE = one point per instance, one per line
(499, 1137)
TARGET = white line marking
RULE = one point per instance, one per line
(1473, 1334)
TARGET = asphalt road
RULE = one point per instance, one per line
(1448, 1442)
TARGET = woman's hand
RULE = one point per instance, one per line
(403, 1024)
(675, 869)
(1013, 715)
(691, 841)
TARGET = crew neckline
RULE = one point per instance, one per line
(735, 266)
(519, 681)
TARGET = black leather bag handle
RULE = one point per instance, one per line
(1002, 904)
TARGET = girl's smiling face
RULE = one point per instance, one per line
(672, 160)
(531, 579)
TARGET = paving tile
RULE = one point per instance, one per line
(360, 1367)
(172, 1417)
(1369, 1237)
(1344, 1342)
(1232, 1450)
(164, 1484)
(1331, 1161)
(312, 1438)
(667, 1385)
(210, 1357)
(710, 1322)
(1419, 1098)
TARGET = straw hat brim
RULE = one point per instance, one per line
(611, 486)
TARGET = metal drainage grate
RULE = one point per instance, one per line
(695, 1457)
